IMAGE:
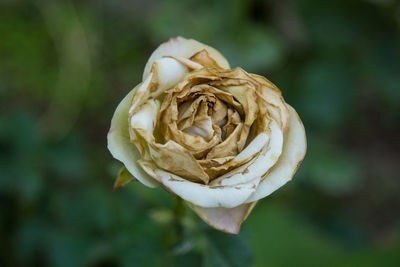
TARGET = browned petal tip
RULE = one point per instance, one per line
(204, 58)
(115, 187)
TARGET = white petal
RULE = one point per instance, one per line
(187, 62)
(203, 128)
(253, 148)
(182, 47)
(145, 117)
(168, 72)
(120, 146)
(141, 93)
(256, 168)
(207, 196)
(294, 150)
(224, 219)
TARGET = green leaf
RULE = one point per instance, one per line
(226, 250)
(124, 178)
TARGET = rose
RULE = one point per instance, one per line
(219, 138)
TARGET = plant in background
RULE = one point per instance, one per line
(219, 138)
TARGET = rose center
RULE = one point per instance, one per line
(200, 113)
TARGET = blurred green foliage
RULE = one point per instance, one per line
(65, 65)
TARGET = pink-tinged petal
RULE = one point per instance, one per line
(294, 150)
(182, 47)
(224, 219)
(120, 146)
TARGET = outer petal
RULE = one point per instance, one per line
(207, 196)
(294, 150)
(120, 146)
(182, 47)
(224, 219)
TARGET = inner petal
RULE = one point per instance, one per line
(202, 127)
(219, 113)
(202, 124)
(187, 113)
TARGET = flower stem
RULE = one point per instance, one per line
(179, 211)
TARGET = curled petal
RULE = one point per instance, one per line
(273, 101)
(175, 158)
(204, 58)
(253, 148)
(167, 73)
(294, 150)
(144, 119)
(182, 47)
(141, 93)
(229, 147)
(225, 219)
(141, 126)
(260, 165)
(187, 62)
(247, 97)
(120, 146)
(207, 196)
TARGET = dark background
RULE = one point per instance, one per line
(65, 65)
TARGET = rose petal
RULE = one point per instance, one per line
(207, 196)
(145, 118)
(273, 100)
(187, 62)
(294, 150)
(229, 147)
(167, 73)
(225, 219)
(203, 57)
(247, 97)
(256, 168)
(197, 144)
(141, 93)
(203, 128)
(182, 47)
(253, 148)
(120, 146)
(176, 159)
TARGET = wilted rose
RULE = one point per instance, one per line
(219, 138)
